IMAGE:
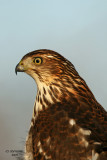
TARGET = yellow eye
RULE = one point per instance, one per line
(38, 60)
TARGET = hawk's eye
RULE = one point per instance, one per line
(38, 60)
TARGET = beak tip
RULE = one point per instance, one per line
(16, 69)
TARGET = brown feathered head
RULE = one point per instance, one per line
(46, 66)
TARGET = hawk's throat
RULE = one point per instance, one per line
(46, 96)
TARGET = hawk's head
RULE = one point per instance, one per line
(46, 66)
(56, 77)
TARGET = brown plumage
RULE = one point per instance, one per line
(67, 123)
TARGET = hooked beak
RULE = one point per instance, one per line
(19, 68)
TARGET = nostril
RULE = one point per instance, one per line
(21, 63)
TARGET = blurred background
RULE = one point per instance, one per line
(76, 29)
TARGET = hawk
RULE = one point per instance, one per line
(67, 123)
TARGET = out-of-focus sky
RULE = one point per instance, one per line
(76, 29)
